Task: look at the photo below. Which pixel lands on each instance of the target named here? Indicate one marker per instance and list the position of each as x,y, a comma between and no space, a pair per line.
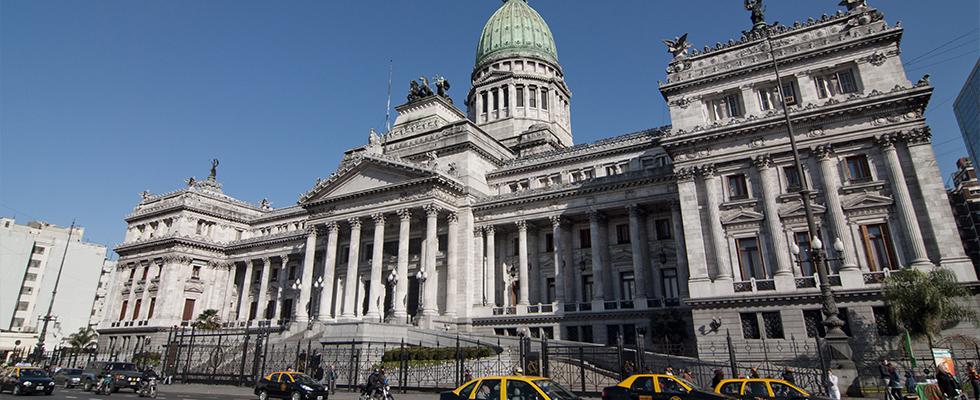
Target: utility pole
39,349
835,336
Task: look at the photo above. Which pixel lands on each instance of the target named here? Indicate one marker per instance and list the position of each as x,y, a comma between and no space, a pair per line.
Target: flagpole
388,105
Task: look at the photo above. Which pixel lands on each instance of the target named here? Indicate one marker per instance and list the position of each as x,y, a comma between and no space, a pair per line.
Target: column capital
332,226
489,230
762,162
708,171
887,141
635,210
917,136
267,261
284,258
557,221
431,210
379,218
404,214
355,222
596,216
823,152
521,225
452,218
478,231
686,174
311,230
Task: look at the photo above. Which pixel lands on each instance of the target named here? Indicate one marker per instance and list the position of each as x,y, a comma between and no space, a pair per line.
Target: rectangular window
663,228
803,242
544,99
516,246
737,187
29,277
122,310
292,272
549,242
792,178
627,286
442,242
878,247
17,323
671,287
34,264
773,322
146,271
506,92
483,96
769,98
132,274
725,107
835,83
586,288
38,250
612,334
153,305
884,323
533,101
136,309
622,234
750,258
274,275
22,305
550,282
750,326
858,169
496,99
572,332
587,334
814,322
27,290
196,272
188,309
584,238
520,96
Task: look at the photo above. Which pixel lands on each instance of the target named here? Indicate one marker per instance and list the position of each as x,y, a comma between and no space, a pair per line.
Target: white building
29,259
491,220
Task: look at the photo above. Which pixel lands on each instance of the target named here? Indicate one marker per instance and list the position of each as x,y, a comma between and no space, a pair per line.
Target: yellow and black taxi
762,388
290,385
658,387
26,380
514,387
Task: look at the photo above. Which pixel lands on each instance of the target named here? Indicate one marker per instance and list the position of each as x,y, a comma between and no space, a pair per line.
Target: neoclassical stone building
492,221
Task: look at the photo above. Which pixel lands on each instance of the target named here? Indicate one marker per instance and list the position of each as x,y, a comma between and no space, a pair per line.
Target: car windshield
304,379
121,367
554,390
33,373
71,371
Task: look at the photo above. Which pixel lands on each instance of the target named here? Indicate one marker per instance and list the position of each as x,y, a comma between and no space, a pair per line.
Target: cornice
601,184
169,241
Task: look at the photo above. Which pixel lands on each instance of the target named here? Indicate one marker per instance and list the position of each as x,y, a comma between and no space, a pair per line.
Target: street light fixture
421,276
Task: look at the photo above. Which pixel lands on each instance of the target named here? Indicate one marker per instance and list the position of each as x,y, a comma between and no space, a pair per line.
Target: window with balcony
725,107
858,169
878,247
738,188
622,234
835,83
750,258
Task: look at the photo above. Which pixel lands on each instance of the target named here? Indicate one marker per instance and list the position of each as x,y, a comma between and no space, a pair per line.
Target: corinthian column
283,274
598,263
638,246
558,250
712,186
377,255
903,200
429,306
774,226
350,283
689,237
304,307
401,288
329,266
262,307
522,275
452,267
243,304
835,212
491,279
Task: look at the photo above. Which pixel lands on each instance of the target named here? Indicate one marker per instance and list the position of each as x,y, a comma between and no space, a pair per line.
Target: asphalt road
192,392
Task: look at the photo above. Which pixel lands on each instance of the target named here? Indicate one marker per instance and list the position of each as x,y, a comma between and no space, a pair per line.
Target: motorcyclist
375,381
149,375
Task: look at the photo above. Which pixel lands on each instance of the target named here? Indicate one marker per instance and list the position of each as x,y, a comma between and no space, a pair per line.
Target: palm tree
925,303
208,320
84,339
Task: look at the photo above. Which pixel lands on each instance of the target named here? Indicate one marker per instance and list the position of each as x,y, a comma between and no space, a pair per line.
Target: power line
957,47
944,61
941,46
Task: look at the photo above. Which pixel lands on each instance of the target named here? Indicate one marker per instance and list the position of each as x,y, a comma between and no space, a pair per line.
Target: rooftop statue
758,13
418,91
678,47
854,4
214,169
442,88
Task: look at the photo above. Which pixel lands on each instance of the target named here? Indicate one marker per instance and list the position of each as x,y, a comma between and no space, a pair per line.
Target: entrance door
413,296
287,310
188,309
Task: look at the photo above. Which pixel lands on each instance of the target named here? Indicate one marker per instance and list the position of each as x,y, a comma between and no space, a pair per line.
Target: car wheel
296,396
16,390
263,395
48,392
87,387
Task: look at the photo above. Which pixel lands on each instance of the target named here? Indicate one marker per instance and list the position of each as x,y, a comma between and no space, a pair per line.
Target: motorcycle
148,388
381,393
105,385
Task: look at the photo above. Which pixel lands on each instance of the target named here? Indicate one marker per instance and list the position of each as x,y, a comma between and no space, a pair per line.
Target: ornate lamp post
421,276
393,285
296,286
315,300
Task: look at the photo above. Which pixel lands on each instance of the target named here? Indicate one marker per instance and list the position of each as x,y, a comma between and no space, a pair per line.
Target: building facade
492,221
29,260
967,111
964,197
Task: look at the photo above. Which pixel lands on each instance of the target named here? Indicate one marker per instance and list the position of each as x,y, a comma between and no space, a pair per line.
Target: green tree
82,340
208,320
925,303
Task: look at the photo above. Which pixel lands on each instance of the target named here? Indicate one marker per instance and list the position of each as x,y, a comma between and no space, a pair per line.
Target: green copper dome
516,30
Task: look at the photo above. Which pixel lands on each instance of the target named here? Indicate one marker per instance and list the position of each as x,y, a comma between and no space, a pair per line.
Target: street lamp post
835,336
420,276
393,288
315,300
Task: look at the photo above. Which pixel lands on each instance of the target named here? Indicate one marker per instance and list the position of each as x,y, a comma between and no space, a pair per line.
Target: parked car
124,375
658,387
513,387
68,377
290,385
755,388
26,380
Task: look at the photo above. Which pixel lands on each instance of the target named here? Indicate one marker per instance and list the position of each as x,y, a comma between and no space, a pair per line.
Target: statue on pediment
758,13
419,89
214,170
442,88
145,195
190,182
265,204
678,47
854,4
373,138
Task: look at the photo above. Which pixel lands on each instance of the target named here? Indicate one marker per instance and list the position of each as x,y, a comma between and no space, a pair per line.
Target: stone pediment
795,209
366,172
741,216
866,200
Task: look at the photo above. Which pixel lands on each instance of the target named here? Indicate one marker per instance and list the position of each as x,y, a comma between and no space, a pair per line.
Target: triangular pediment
742,216
365,173
795,208
867,200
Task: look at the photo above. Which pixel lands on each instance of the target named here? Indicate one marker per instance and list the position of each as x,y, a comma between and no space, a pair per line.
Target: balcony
878,277
755,285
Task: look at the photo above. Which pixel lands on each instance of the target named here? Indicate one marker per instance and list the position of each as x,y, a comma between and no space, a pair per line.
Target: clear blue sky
101,100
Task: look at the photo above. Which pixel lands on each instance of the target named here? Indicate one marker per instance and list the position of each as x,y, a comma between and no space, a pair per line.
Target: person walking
894,383
467,375
330,375
715,380
832,390
885,374
947,382
973,377
910,382
788,376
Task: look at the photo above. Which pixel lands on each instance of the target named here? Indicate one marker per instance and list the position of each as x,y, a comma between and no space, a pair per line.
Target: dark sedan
26,380
68,377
